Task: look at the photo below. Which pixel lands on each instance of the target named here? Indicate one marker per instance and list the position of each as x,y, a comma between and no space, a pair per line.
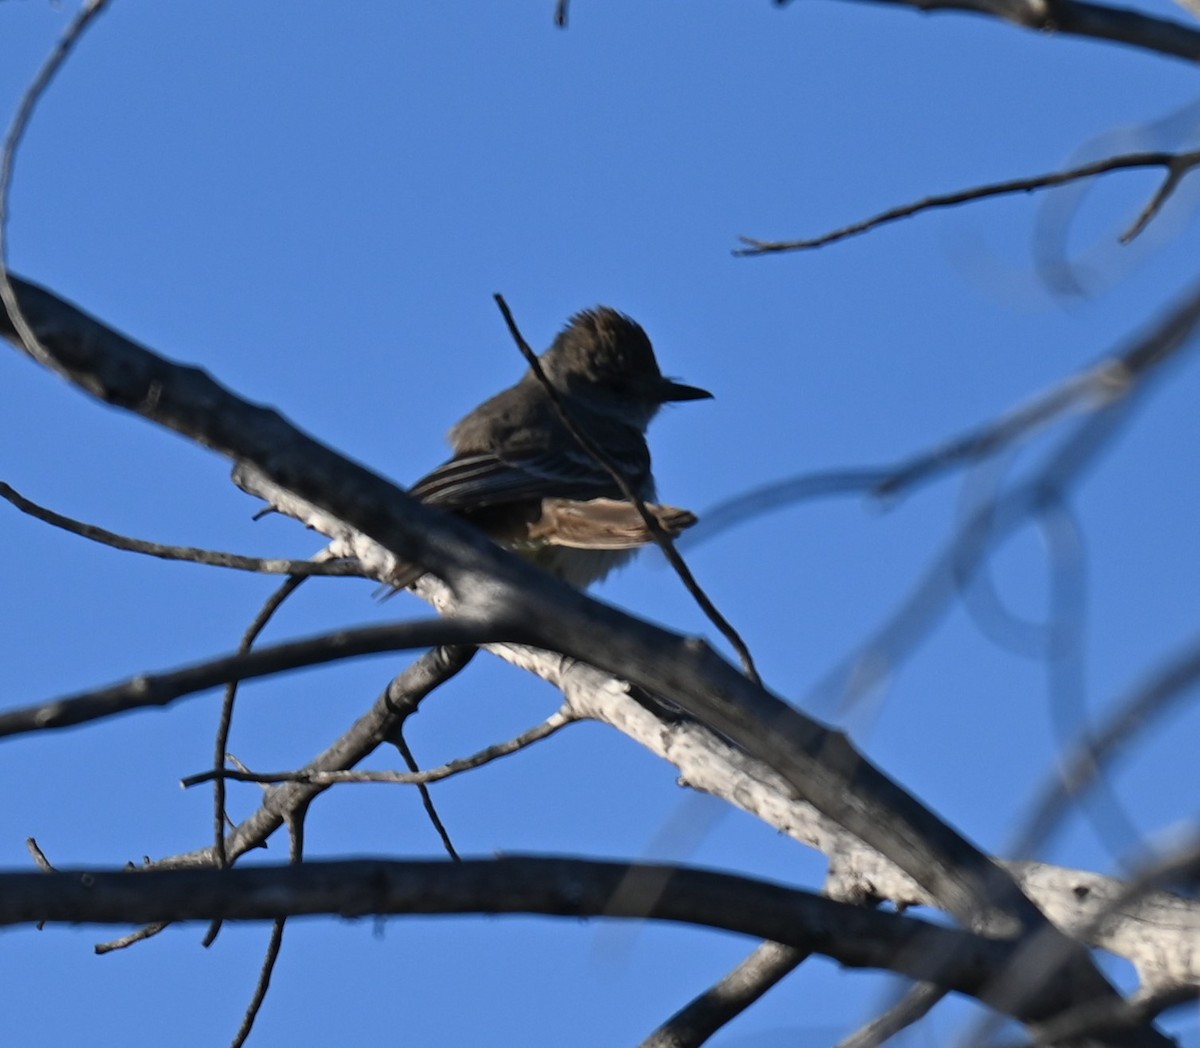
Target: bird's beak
678,391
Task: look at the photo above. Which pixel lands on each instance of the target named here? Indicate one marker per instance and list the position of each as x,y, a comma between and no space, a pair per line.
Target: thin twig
66,43
213,558
275,943
398,740
399,699
274,946
1176,165
1175,172
661,538
554,723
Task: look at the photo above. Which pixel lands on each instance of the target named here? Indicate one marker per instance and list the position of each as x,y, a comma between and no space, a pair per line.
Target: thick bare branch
1089,756
853,935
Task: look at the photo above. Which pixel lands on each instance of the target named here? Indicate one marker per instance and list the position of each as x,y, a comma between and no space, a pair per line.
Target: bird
521,475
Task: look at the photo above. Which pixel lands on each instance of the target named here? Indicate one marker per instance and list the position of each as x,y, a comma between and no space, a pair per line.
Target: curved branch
164,688
852,935
1175,164
355,504
554,723
1119,25
213,558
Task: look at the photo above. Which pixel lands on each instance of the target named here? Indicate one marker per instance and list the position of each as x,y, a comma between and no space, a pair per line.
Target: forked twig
552,724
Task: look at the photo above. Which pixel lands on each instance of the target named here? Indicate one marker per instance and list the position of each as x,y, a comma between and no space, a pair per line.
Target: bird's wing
479,479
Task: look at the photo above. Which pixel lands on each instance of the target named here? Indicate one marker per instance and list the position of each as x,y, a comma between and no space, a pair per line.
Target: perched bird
519,473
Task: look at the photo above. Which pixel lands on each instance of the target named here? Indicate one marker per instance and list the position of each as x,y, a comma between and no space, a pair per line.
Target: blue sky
315,203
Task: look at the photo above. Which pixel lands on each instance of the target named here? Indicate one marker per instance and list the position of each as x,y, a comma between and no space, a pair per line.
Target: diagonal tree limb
399,699
726,999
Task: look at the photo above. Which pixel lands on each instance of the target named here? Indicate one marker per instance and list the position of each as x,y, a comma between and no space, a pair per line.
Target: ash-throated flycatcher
520,475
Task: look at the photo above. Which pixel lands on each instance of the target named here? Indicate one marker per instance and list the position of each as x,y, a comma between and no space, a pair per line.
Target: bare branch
162,689
275,944
1109,1017
86,15
270,957
555,722
914,1005
853,935
397,739
1175,164
723,1002
214,558
281,804
1175,172
1160,935
141,935
1119,25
